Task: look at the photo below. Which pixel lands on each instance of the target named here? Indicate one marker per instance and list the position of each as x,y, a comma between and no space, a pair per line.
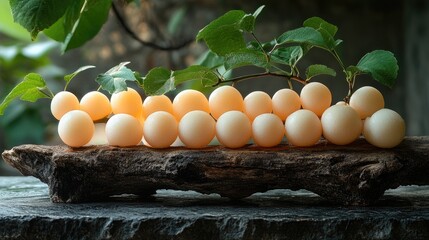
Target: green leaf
115,79
224,40
69,77
28,90
301,35
267,46
158,81
161,80
59,30
223,35
287,55
319,69
352,71
91,19
228,19
36,15
139,79
247,23
195,72
326,29
381,65
210,59
246,57
319,23
258,11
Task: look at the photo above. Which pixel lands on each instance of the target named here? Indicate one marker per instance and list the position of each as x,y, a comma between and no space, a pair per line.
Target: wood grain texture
356,174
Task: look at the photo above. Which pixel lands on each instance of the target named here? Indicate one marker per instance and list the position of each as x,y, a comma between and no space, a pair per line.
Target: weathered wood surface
357,174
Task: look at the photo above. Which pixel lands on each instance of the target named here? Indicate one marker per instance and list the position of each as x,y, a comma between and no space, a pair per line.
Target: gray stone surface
26,212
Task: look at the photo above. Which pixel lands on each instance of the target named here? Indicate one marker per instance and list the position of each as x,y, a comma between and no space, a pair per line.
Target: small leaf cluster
228,49
225,38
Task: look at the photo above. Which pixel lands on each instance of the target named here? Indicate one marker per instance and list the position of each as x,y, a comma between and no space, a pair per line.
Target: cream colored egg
96,104
128,102
124,130
366,101
303,128
197,129
99,136
76,128
285,102
384,129
341,124
157,103
268,130
233,129
62,103
189,100
257,103
316,97
160,129
224,99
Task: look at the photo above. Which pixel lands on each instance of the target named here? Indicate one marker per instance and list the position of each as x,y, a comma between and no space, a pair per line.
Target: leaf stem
135,36
351,83
337,57
50,94
259,42
257,75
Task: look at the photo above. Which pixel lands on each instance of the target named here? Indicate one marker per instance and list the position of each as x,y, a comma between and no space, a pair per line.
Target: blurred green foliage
23,122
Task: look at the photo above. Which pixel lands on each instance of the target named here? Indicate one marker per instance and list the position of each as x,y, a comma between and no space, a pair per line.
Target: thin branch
257,75
132,34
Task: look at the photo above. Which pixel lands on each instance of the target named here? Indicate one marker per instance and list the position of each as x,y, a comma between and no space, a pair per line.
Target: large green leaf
287,55
91,19
319,69
246,57
80,23
59,30
303,35
158,81
247,23
319,23
230,18
195,72
224,40
37,15
114,80
381,65
223,35
28,90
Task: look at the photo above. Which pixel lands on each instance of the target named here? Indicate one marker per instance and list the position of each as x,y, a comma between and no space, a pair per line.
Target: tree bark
356,174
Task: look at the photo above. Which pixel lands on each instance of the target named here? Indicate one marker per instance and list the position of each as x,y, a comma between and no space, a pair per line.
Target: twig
128,30
241,78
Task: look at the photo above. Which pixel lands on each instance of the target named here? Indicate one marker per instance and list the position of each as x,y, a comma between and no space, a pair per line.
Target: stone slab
26,212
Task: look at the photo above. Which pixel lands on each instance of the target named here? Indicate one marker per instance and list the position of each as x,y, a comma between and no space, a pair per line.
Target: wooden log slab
356,174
